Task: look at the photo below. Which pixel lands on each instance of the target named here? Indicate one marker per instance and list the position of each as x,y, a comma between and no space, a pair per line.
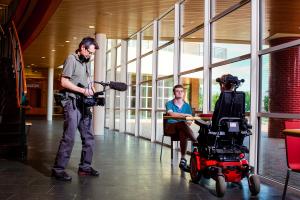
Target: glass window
272,153
166,28
108,75
108,60
107,118
146,68
231,35
119,56
117,99
107,96
164,92
219,6
118,74
192,14
131,51
145,124
131,73
108,44
280,81
147,40
117,119
191,55
193,84
165,61
131,95
130,121
146,95
241,70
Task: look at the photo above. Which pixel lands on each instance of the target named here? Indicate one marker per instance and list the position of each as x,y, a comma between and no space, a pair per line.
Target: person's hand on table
189,123
186,115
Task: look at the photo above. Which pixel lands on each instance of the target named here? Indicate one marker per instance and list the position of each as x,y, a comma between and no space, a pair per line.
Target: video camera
98,99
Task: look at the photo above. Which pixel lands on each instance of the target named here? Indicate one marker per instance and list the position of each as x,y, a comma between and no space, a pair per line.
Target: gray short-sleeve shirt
76,71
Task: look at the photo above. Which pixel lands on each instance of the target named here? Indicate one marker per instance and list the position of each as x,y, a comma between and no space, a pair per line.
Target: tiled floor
130,169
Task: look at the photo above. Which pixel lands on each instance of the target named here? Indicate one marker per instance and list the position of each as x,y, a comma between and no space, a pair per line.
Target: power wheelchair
220,153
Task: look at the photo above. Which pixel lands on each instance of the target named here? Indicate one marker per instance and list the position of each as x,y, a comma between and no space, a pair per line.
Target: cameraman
77,72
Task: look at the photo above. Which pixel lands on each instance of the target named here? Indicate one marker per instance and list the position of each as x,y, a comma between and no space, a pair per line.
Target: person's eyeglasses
91,53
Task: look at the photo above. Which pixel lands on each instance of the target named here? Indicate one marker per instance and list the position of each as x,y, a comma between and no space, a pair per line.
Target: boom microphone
119,86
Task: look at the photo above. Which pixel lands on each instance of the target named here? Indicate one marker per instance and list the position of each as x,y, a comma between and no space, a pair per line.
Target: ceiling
71,21
122,18
5,2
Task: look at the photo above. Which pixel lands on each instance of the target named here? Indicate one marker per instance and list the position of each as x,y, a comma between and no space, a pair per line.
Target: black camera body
96,100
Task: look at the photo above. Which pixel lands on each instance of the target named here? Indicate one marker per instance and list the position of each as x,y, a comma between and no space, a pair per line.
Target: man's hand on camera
88,92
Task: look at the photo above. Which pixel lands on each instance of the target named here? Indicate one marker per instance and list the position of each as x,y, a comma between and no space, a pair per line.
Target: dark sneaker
88,172
244,149
61,176
183,165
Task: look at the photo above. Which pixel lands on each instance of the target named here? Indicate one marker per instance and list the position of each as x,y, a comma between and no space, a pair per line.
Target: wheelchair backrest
231,105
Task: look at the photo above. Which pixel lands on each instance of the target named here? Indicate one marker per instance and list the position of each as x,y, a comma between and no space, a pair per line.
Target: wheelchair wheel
195,174
254,184
220,186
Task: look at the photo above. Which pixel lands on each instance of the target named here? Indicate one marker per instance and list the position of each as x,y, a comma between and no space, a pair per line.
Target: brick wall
284,87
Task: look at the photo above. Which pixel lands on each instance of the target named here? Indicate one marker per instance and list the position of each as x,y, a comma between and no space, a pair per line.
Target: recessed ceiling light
32,64
91,26
43,57
53,50
74,38
108,13
67,41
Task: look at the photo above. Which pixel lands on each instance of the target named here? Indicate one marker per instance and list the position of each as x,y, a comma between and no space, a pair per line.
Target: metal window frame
228,10
138,75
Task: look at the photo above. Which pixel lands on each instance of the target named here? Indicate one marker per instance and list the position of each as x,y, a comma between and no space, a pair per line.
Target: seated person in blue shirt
177,107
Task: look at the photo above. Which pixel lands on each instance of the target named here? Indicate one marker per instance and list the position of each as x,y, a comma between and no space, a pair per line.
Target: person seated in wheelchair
228,116
177,107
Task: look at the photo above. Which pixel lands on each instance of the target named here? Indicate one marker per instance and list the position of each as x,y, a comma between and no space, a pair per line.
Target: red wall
284,85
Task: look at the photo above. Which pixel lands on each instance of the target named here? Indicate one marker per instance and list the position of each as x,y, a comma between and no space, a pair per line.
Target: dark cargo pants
75,117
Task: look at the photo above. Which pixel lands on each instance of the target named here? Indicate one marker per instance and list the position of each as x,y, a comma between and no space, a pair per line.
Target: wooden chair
292,142
173,137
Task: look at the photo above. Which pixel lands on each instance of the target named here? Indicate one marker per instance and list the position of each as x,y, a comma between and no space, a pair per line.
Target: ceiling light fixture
91,26
60,67
43,57
67,41
53,50
74,38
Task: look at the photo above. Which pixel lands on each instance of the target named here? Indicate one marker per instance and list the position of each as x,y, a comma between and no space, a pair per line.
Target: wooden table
295,132
182,118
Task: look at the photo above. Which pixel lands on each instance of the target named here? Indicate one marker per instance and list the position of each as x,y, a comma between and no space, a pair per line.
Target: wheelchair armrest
202,123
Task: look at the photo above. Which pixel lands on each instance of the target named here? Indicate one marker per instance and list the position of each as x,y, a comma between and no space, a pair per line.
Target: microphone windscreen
118,86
